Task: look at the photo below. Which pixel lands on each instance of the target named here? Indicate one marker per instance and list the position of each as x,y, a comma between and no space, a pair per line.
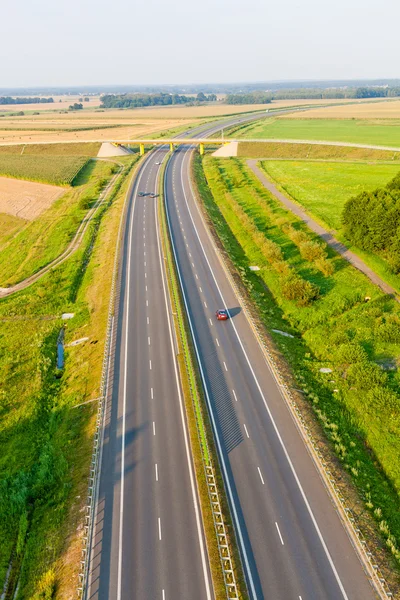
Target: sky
94,42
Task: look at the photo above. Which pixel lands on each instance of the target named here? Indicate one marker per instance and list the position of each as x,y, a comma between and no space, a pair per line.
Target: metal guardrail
219,525
102,402
347,515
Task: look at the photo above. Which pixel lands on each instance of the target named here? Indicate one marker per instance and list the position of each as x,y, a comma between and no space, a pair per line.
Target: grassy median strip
201,437
341,348
46,442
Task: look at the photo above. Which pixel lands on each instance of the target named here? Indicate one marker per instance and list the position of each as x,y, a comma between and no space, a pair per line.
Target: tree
75,106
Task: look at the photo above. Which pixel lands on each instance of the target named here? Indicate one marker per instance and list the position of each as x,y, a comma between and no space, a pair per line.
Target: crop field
304,288
59,170
45,438
105,124
323,187
44,238
361,131
388,109
60,103
87,149
26,199
304,151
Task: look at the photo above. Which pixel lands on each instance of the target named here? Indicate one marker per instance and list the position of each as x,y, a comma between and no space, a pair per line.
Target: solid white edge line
210,408
193,482
309,509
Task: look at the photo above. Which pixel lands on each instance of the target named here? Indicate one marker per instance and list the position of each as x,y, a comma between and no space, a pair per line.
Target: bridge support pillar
141,149
171,147
201,149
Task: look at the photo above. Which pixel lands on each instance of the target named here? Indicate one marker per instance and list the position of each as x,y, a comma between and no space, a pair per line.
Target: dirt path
352,258
73,246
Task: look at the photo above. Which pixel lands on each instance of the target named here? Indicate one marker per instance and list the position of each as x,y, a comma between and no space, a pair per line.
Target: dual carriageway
148,540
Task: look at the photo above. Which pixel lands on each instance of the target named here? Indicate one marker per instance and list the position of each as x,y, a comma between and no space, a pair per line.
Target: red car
222,314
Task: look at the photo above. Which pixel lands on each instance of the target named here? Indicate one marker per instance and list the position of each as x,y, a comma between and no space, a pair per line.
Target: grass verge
46,441
202,443
345,410
323,188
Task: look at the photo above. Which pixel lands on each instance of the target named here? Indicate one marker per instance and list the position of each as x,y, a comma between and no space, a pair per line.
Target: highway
148,539
292,540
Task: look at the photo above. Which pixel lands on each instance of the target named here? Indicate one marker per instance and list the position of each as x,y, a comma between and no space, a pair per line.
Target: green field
88,149
58,170
42,240
358,340
323,187
360,131
46,442
307,151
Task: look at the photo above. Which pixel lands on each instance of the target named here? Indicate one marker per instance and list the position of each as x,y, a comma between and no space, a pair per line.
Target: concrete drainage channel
218,519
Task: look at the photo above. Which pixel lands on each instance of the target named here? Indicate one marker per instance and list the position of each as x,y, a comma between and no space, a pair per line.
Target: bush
325,266
347,354
366,375
312,251
387,328
294,287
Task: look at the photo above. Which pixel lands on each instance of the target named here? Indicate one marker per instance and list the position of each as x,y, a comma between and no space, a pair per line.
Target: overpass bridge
172,142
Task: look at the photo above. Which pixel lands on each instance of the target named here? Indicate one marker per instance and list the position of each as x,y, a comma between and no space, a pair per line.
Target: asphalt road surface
148,541
292,540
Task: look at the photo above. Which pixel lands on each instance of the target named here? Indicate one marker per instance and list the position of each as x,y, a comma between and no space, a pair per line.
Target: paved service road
293,543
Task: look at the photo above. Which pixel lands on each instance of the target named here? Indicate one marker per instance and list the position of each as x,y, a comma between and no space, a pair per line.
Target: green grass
323,188
361,131
58,170
340,331
304,151
9,226
45,442
43,239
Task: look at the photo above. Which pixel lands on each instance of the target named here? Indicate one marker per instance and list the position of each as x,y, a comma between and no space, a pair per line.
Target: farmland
26,199
323,188
360,131
306,289
59,170
305,151
104,124
44,238
46,442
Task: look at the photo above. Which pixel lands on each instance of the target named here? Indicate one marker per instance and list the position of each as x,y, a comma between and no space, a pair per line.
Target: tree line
9,100
313,94
371,221
141,100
